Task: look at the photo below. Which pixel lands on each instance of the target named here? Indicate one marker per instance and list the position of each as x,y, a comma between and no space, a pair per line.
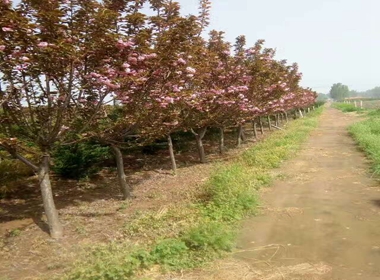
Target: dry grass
239,269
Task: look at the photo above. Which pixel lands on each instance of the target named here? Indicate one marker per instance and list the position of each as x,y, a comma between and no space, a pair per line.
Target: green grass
347,107
367,135
194,234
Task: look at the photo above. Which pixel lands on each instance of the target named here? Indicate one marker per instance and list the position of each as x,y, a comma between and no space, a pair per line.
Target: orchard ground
318,221
93,212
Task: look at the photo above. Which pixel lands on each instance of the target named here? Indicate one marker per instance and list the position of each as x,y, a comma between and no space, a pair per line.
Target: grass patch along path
347,107
205,229
367,134
320,221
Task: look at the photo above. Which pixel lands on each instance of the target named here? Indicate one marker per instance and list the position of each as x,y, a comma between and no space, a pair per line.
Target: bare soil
93,213
322,221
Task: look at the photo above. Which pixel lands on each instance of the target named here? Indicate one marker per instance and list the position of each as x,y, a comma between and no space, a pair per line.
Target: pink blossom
251,51
132,60
42,44
181,61
169,100
190,70
6,2
7,29
95,75
110,85
24,58
124,44
2,47
152,55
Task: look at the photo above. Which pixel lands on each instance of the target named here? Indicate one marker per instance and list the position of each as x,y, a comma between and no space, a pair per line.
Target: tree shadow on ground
376,202
26,201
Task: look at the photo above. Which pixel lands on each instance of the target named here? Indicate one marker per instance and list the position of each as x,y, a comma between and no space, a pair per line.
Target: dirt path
322,221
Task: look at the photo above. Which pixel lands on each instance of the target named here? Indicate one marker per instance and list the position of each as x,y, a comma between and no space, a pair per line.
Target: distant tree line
371,93
339,91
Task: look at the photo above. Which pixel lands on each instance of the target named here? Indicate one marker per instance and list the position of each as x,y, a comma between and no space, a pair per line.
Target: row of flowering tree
64,63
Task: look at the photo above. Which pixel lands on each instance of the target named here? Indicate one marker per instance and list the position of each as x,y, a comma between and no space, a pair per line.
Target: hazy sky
331,40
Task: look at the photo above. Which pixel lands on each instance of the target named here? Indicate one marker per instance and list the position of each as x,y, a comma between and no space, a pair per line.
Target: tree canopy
339,91
63,62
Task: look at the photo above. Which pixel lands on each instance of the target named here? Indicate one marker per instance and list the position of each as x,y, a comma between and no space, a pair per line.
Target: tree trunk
286,117
254,128
276,120
55,227
241,136
172,157
221,140
198,138
269,123
124,187
300,112
261,126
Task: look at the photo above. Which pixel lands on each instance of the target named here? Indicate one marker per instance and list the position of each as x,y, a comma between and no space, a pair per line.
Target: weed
367,135
166,223
79,160
155,195
214,236
12,170
81,229
347,107
374,113
124,205
14,233
193,234
170,253
54,266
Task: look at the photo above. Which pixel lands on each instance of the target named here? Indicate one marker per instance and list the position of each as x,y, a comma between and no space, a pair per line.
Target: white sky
331,40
